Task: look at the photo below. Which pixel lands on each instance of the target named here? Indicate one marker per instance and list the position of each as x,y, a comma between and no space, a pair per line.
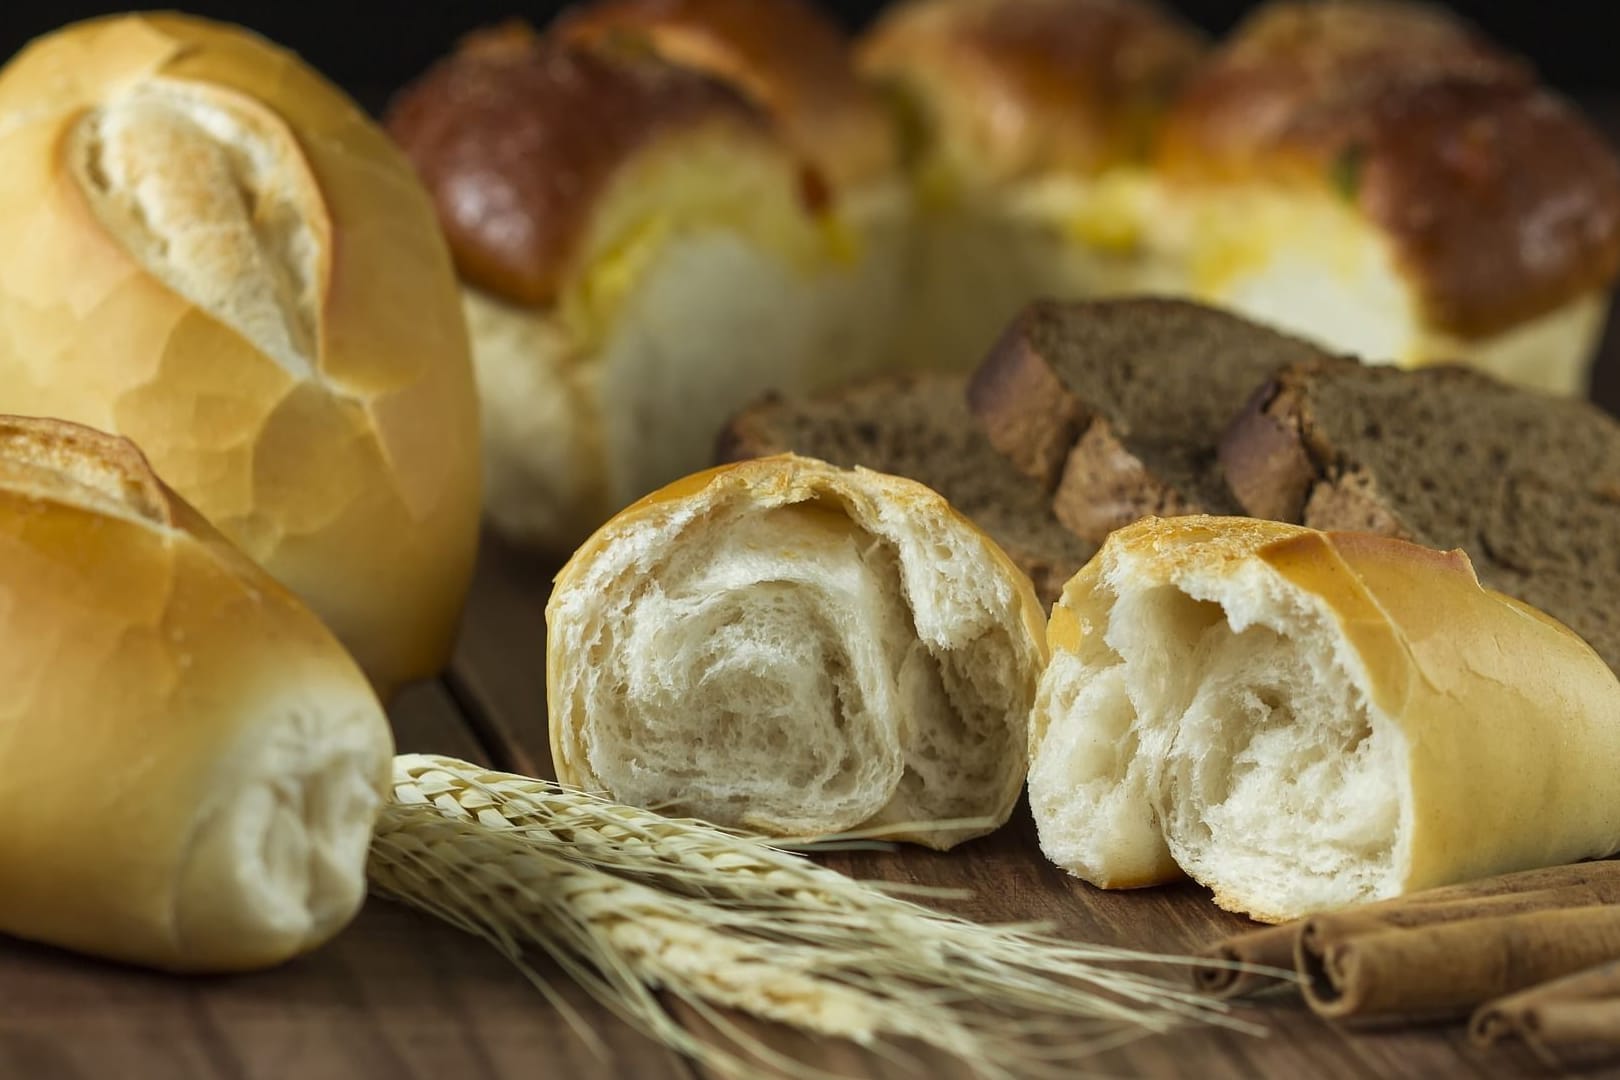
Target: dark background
373,48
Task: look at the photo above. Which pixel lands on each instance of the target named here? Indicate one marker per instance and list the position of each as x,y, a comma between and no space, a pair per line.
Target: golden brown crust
342,480
56,460
516,137
786,56
1008,88
1500,202
187,691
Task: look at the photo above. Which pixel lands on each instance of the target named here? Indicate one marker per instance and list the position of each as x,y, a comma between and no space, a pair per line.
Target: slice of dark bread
1117,406
918,426
1527,485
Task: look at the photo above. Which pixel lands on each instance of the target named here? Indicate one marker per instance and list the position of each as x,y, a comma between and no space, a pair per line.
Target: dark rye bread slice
1527,485
918,426
1117,406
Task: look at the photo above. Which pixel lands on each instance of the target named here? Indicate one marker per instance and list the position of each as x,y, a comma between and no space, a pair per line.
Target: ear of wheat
630,903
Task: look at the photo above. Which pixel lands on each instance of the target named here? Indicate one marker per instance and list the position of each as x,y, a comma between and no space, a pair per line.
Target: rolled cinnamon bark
1269,947
1579,1008
1576,885
1355,966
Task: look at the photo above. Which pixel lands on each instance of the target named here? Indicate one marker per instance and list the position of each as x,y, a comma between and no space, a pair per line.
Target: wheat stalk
630,903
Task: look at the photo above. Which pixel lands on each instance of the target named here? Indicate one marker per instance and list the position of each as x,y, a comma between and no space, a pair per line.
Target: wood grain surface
398,996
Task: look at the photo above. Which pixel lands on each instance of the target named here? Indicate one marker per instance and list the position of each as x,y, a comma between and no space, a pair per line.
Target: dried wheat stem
630,902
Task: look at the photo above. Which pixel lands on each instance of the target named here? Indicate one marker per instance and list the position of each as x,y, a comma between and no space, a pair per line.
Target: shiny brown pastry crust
1011,88
1501,202
516,137
783,55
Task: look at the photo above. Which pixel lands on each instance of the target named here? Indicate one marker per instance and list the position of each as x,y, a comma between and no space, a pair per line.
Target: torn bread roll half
190,762
1027,128
796,648
659,213
1379,178
1303,720
211,251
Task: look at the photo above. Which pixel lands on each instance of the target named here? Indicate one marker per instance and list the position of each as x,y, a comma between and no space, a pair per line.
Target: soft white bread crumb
210,190
795,648
277,852
1303,721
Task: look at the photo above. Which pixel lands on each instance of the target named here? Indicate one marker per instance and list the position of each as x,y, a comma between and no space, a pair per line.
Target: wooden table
399,996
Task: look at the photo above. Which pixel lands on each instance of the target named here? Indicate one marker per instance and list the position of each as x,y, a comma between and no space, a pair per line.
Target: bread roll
647,248
784,56
795,648
211,251
1028,126
190,763
1303,720
1379,178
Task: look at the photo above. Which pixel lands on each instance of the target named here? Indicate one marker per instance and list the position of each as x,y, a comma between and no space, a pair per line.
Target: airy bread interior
277,853
1218,723
786,667
210,191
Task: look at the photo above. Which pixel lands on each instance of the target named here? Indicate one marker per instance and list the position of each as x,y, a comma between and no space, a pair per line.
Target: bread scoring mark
82,467
210,191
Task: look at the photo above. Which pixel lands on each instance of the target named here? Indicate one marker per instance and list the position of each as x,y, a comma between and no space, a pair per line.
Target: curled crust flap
1004,89
1500,202
517,138
784,55
67,463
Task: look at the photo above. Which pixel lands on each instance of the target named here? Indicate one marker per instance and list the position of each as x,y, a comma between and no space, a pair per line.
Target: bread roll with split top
212,251
659,212
1380,178
191,764
795,648
1303,720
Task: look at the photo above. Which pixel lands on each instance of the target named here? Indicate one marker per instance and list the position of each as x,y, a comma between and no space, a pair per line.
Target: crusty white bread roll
660,213
1027,127
212,251
1303,720
1378,177
795,648
189,761
784,56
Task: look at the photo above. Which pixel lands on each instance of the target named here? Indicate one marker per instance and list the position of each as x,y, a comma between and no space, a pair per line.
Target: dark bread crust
1117,407
1020,87
1500,201
516,137
918,426
786,56
1527,485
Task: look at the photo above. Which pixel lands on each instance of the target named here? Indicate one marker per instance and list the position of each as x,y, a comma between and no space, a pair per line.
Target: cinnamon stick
1579,1008
1576,885
1269,947
1357,966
